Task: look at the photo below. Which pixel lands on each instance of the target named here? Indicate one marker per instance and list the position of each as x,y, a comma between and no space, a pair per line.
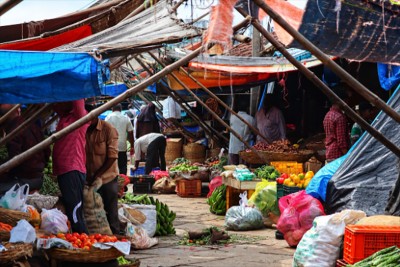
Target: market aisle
254,248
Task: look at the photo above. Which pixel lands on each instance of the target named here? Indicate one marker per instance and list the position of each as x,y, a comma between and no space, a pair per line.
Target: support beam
327,91
215,116
8,114
347,78
96,112
7,5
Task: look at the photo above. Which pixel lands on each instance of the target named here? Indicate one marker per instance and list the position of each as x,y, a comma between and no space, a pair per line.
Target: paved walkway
193,214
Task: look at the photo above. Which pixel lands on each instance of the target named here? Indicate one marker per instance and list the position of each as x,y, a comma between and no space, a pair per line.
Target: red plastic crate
188,188
361,241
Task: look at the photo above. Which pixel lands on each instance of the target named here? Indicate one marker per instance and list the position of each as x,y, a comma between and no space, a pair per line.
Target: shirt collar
99,125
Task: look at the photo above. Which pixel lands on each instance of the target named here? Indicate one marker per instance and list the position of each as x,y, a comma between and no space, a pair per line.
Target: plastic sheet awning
40,77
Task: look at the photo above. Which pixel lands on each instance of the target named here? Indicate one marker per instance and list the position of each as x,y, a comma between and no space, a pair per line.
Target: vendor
29,171
153,145
270,121
147,121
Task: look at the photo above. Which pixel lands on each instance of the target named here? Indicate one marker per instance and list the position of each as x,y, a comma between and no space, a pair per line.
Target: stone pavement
193,214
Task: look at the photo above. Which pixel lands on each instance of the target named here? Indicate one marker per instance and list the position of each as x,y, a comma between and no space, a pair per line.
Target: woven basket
4,235
13,216
194,152
15,251
173,150
267,156
94,255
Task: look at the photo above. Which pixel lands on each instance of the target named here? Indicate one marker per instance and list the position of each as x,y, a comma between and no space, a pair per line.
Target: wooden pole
8,114
347,78
327,91
96,112
199,18
24,125
222,103
7,5
215,116
174,8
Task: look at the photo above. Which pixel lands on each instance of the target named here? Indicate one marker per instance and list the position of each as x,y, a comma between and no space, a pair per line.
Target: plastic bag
15,198
151,217
139,237
215,182
242,217
54,221
23,232
159,174
320,246
319,183
265,199
298,211
165,185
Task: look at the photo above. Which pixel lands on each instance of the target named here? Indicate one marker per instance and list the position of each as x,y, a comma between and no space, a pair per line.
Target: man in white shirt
153,145
125,131
235,145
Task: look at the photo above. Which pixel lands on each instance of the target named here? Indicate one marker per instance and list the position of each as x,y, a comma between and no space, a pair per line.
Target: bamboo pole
174,8
215,116
24,125
96,112
347,78
7,5
222,103
8,114
185,132
199,18
327,91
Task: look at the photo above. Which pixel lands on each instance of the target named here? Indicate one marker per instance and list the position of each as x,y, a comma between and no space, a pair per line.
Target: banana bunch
165,217
217,200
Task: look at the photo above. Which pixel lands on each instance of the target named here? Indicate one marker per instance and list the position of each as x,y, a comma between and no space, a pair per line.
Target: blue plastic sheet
39,77
319,183
389,75
114,89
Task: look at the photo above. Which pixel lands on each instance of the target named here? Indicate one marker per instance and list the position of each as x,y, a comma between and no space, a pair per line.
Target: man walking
101,163
125,131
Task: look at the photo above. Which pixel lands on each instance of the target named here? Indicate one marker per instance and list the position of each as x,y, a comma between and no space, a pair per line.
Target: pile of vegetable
49,187
276,146
184,167
388,257
165,216
217,200
220,165
209,236
212,161
178,161
123,261
267,172
85,241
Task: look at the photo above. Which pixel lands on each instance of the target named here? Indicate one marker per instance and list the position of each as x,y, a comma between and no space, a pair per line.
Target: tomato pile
85,241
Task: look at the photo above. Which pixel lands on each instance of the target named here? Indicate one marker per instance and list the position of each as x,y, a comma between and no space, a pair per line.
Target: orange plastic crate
361,241
188,188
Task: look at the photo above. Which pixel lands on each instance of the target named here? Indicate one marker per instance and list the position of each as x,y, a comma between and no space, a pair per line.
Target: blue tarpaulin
114,89
40,77
389,76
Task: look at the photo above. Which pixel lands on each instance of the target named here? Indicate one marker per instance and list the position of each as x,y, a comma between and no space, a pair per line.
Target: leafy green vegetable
267,172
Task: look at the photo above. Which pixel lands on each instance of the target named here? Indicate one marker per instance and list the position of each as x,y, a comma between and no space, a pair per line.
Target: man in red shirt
336,129
69,162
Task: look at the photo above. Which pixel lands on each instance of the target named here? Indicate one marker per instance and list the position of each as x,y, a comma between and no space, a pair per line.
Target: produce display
165,216
276,146
217,200
49,187
212,161
178,161
184,167
84,241
300,180
267,172
388,257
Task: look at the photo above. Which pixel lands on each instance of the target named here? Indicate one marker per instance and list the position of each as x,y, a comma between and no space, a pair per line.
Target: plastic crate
188,188
288,166
279,190
142,183
138,171
287,190
361,241
341,263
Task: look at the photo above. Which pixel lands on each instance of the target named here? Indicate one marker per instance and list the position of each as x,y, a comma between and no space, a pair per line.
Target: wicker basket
15,251
94,255
4,235
268,156
173,149
13,216
194,152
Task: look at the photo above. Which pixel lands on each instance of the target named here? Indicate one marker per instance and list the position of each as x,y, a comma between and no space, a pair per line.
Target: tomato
97,236
284,175
113,238
101,240
124,239
68,236
76,235
86,248
83,236
280,180
107,239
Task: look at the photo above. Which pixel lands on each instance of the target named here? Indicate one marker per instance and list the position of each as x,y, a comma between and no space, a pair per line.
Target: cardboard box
313,165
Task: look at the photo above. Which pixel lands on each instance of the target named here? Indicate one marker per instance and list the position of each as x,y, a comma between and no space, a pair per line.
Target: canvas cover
366,179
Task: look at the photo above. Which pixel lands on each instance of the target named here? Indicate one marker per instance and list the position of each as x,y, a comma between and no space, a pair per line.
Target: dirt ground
253,249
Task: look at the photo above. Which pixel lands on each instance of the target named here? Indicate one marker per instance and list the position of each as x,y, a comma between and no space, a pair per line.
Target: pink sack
215,182
298,211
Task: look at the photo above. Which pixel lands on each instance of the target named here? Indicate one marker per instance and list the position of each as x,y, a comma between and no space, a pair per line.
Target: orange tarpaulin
292,14
47,43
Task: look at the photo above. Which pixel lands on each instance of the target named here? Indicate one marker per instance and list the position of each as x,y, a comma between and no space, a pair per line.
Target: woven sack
93,210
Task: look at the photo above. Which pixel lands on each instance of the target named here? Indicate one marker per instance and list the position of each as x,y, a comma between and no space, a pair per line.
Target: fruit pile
300,180
184,167
85,241
212,161
276,146
165,216
267,172
217,200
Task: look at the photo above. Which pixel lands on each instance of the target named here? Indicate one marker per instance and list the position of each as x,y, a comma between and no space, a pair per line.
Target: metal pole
213,113
347,78
96,112
327,91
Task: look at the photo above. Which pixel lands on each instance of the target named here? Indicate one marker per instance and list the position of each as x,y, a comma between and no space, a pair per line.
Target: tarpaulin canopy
40,77
365,179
